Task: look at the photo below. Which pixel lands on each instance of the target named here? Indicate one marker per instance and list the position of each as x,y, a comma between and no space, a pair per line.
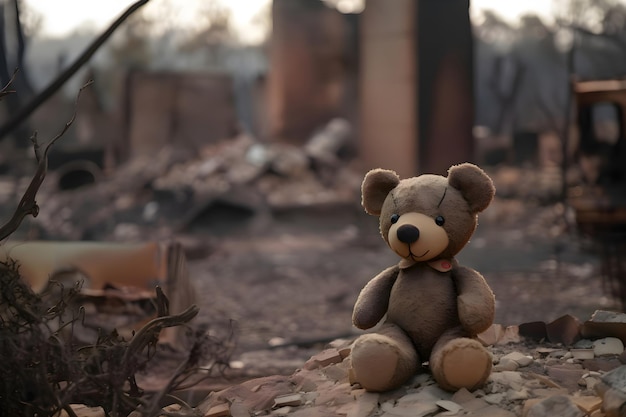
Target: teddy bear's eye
439,220
394,218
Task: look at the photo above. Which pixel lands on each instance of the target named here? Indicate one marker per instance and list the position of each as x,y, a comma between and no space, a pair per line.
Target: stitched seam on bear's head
395,204
443,196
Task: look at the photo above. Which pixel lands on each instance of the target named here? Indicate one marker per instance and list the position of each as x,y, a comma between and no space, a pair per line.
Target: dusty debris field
278,256
291,288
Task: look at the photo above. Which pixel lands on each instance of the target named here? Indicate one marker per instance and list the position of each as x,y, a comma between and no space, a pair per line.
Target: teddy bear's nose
408,233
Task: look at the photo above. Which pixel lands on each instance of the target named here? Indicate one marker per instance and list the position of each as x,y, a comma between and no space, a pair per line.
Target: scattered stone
544,351
324,358
495,398
608,346
511,335
605,323
283,411
589,382
526,381
612,390
366,402
239,409
449,406
475,405
257,394
566,375
519,358
601,364
582,354
289,399
535,330
495,411
613,403
429,393
583,344
82,410
587,403
344,352
497,334
565,330
558,405
462,396
492,335
336,394
616,378
558,353
506,365
603,316
515,395
507,379
220,410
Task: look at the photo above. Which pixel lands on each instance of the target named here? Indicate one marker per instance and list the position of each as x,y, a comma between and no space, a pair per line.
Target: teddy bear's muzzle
417,237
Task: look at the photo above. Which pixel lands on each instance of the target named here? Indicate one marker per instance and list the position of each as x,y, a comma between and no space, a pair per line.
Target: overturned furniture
117,281
599,198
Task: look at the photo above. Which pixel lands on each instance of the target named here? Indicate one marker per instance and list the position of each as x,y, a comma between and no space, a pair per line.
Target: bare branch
150,332
5,90
69,72
28,204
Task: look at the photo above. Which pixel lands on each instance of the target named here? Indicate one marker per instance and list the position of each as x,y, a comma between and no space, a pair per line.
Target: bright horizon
61,17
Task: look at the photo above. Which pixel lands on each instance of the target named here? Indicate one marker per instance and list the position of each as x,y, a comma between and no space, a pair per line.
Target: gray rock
558,405
608,346
616,378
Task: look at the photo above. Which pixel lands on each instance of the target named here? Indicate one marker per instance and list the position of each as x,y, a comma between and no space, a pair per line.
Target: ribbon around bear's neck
441,265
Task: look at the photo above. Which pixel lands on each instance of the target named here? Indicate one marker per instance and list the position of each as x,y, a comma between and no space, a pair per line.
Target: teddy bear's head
427,217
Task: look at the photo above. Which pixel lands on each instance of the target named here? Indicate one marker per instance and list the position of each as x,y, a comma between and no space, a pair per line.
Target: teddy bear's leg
384,360
459,362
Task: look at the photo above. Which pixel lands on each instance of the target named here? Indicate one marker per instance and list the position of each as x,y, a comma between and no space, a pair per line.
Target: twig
150,331
28,204
69,410
5,91
29,108
156,401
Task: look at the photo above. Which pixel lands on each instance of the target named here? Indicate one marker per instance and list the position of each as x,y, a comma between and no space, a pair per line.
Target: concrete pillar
306,75
416,85
446,84
388,131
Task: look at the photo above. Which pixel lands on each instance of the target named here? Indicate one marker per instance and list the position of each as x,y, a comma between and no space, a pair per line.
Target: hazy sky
62,16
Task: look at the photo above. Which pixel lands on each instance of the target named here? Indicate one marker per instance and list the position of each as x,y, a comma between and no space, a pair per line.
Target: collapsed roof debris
117,280
155,196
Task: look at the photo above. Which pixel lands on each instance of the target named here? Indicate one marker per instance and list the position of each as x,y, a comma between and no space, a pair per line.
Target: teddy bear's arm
475,300
373,300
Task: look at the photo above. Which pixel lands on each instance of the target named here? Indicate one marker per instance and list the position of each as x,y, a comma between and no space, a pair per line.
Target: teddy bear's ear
475,186
375,188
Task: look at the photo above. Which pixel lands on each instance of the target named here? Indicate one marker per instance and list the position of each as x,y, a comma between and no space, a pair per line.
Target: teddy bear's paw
374,362
462,363
384,360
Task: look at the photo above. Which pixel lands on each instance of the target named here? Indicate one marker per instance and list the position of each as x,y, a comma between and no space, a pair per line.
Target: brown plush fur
432,314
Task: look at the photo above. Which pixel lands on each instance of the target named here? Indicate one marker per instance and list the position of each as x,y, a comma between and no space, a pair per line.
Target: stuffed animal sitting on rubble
434,307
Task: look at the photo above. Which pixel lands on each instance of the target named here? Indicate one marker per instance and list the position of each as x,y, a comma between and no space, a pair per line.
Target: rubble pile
530,378
300,282
172,191
585,377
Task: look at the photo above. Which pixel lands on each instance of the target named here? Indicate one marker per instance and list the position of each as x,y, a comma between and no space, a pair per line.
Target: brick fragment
220,410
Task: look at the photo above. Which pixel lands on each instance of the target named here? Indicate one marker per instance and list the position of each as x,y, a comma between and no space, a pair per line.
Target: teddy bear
433,307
